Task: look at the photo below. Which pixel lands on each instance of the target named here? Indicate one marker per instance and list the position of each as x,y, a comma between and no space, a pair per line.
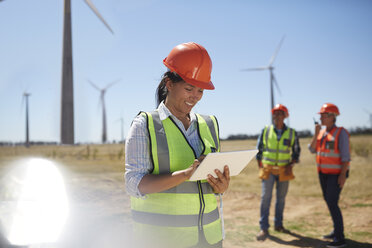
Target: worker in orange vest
332,149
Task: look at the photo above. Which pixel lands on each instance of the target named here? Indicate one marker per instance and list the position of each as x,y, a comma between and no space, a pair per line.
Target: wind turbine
102,97
25,99
122,128
67,95
270,67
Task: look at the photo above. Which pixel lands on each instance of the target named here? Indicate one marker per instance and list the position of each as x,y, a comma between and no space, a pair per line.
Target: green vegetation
361,205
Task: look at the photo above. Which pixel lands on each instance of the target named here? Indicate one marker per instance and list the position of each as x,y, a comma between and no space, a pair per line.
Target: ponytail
162,91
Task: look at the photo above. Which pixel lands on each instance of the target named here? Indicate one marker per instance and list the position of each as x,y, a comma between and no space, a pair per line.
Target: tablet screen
236,160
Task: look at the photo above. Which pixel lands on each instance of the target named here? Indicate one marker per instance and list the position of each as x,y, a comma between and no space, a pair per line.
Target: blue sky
325,57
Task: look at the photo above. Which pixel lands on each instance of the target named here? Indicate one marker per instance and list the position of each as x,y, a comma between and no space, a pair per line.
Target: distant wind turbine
67,95
102,97
270,67
25,99
121,128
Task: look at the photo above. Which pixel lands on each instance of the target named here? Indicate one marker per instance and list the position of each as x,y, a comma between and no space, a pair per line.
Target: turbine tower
102,97
25,98
121,128
67,95
270,67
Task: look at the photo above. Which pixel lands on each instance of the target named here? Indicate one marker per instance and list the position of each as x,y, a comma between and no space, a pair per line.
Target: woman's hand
189,171
221,183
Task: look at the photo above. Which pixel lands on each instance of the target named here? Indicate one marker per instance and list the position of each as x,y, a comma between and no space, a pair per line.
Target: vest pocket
330,145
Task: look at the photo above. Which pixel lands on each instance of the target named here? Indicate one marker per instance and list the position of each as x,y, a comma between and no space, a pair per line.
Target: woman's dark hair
161,91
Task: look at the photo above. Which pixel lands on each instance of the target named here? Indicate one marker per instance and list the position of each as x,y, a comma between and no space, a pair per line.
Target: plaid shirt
137,148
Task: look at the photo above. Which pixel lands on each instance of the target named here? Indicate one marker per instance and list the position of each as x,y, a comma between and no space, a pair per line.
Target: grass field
100,206
306,214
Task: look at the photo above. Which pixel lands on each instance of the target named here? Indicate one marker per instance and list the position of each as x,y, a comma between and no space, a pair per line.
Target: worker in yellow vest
332,149
162,151
278,151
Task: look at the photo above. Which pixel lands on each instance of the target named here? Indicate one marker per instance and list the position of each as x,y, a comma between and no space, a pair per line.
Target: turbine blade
94,9
95,86
256,69
112,83
276,85
276,51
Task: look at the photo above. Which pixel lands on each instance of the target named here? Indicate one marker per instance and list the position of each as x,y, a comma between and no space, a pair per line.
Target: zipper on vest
202,206
277,151
202,238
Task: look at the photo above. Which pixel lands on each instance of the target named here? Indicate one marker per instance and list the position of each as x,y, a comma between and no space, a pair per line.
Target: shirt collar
164,113
333,127
282,130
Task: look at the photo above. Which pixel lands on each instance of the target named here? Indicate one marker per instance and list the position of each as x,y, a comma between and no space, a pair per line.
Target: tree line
301,134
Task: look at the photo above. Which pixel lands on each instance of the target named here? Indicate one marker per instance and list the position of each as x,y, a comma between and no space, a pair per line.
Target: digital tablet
236,161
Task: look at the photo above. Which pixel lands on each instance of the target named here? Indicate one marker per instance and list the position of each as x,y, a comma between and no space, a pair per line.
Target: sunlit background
324,57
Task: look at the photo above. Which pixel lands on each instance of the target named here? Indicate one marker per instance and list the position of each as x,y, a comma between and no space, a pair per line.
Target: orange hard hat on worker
329,108
192,63
280,107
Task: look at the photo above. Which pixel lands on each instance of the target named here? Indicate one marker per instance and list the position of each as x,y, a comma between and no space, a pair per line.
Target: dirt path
306,217
100,214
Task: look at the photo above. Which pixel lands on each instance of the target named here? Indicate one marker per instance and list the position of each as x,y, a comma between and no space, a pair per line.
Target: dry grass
306,213
96,177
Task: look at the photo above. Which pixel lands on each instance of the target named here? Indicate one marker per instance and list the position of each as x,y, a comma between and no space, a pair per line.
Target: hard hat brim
328,113
204,85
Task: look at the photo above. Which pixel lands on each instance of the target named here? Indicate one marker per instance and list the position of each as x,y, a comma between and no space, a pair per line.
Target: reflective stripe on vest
171,221
328,156
276,152
190,204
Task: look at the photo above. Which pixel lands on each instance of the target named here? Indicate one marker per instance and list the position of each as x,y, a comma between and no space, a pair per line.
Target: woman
163,149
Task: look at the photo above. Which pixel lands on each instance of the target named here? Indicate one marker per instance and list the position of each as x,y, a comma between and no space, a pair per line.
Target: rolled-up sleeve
343,146
137,156
296,149
260,146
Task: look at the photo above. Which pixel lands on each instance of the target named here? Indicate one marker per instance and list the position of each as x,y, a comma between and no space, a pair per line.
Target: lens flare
39,205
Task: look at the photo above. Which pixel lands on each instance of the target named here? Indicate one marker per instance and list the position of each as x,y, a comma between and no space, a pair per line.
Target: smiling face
182,97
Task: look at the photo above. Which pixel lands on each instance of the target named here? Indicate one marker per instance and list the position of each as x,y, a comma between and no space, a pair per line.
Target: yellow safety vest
277,152
185,215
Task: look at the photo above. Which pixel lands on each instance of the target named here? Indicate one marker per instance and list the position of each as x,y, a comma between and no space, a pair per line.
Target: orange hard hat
282,108
329,108
192,63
